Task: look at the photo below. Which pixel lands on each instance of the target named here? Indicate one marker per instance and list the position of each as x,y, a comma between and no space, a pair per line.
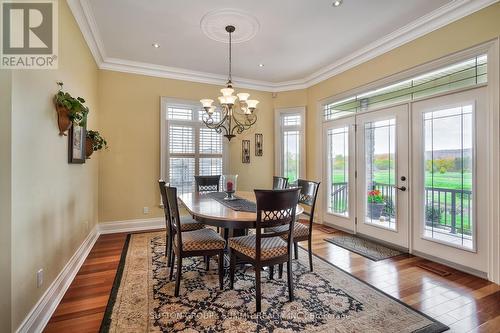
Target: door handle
402,188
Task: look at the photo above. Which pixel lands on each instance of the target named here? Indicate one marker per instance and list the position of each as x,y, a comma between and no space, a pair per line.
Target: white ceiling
297,40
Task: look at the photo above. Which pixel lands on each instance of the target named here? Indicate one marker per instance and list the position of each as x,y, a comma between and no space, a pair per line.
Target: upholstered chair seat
300,231
270,247
200,240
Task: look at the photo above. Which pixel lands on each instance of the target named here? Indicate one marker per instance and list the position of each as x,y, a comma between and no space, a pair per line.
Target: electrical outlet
39,278
145,210
86,225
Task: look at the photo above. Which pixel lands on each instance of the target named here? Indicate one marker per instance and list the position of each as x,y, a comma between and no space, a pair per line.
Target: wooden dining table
206,209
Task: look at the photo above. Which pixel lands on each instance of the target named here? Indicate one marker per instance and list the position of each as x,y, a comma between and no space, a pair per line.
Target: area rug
364,247
328,300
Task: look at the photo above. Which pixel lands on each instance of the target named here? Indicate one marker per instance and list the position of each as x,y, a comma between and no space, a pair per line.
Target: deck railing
447,209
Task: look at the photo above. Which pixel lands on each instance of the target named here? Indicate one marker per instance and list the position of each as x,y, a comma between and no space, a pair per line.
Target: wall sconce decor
245,151
259,142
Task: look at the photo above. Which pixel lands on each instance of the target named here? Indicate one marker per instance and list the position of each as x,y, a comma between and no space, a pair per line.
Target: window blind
463,74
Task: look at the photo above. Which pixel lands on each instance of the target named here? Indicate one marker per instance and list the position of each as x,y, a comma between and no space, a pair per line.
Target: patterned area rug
328,300
364,247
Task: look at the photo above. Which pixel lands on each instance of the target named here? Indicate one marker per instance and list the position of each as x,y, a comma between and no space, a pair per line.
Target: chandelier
235,116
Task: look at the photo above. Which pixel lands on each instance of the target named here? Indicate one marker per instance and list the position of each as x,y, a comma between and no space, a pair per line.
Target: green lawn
448,180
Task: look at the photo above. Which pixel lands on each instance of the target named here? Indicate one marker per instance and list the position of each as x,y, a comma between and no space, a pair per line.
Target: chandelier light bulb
222,100
252,103
207,103
243,96
226,92
230,99
211,110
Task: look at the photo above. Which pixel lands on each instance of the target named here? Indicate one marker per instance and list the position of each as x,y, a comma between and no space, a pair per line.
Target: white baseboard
131,225
39,316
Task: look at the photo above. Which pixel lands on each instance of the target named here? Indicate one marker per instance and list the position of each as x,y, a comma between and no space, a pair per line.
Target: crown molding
440,17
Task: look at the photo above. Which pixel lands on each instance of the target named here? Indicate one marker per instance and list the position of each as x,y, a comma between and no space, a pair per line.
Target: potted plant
376,204
94,142
69,110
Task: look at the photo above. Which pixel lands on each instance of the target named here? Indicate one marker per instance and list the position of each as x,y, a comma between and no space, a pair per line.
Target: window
290,134
448,170
188,147
338,170
463,74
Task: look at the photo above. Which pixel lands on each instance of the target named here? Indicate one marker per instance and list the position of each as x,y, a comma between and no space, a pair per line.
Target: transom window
468,73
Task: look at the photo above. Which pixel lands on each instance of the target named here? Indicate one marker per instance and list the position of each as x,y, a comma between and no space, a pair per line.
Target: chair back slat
166,210
308,195
175,221
279,183
275,208
207,183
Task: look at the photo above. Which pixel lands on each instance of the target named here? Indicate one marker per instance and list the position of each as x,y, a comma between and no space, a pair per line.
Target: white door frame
399,236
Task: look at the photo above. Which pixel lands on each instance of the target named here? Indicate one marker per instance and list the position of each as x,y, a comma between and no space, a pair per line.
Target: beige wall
54,204
5,199
129,118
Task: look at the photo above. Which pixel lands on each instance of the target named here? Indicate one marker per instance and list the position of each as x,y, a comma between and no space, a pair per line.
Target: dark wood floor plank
464,302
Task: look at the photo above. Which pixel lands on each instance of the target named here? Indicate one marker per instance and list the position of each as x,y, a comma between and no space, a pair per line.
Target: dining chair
274,208
279,183
187,223
303,229
197,243
207,183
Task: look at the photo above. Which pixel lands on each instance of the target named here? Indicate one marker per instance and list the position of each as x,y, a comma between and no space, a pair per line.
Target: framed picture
245,151
259,142
76,144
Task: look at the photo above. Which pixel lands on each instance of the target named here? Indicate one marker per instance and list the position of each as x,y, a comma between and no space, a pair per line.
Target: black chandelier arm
248,122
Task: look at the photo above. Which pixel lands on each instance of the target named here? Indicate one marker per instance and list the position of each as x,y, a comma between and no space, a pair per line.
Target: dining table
204,208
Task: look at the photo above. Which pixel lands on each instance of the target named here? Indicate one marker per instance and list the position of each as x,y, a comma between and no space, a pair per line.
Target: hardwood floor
464,302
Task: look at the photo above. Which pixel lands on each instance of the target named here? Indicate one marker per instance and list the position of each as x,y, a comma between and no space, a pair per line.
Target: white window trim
278,139
165,103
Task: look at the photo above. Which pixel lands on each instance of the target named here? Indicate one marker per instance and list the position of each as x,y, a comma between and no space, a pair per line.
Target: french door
450,185
382,175
366,174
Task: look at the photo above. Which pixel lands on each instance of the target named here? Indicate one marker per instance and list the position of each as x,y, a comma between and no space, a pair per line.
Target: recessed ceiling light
156,45
261,65
337,3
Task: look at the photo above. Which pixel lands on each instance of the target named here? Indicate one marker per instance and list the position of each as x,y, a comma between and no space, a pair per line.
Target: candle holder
229,186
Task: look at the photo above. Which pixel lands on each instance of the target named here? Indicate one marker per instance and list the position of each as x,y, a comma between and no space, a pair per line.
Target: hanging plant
69,110
94,142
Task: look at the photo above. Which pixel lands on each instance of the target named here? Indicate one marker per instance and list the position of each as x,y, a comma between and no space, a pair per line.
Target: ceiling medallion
230,119
213,24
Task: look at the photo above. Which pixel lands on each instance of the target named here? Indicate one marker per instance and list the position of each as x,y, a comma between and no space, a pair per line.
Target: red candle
229,186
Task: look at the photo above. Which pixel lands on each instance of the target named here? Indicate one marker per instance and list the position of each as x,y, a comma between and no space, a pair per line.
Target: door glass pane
380,155
448,167
338,170
291,155
182,174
